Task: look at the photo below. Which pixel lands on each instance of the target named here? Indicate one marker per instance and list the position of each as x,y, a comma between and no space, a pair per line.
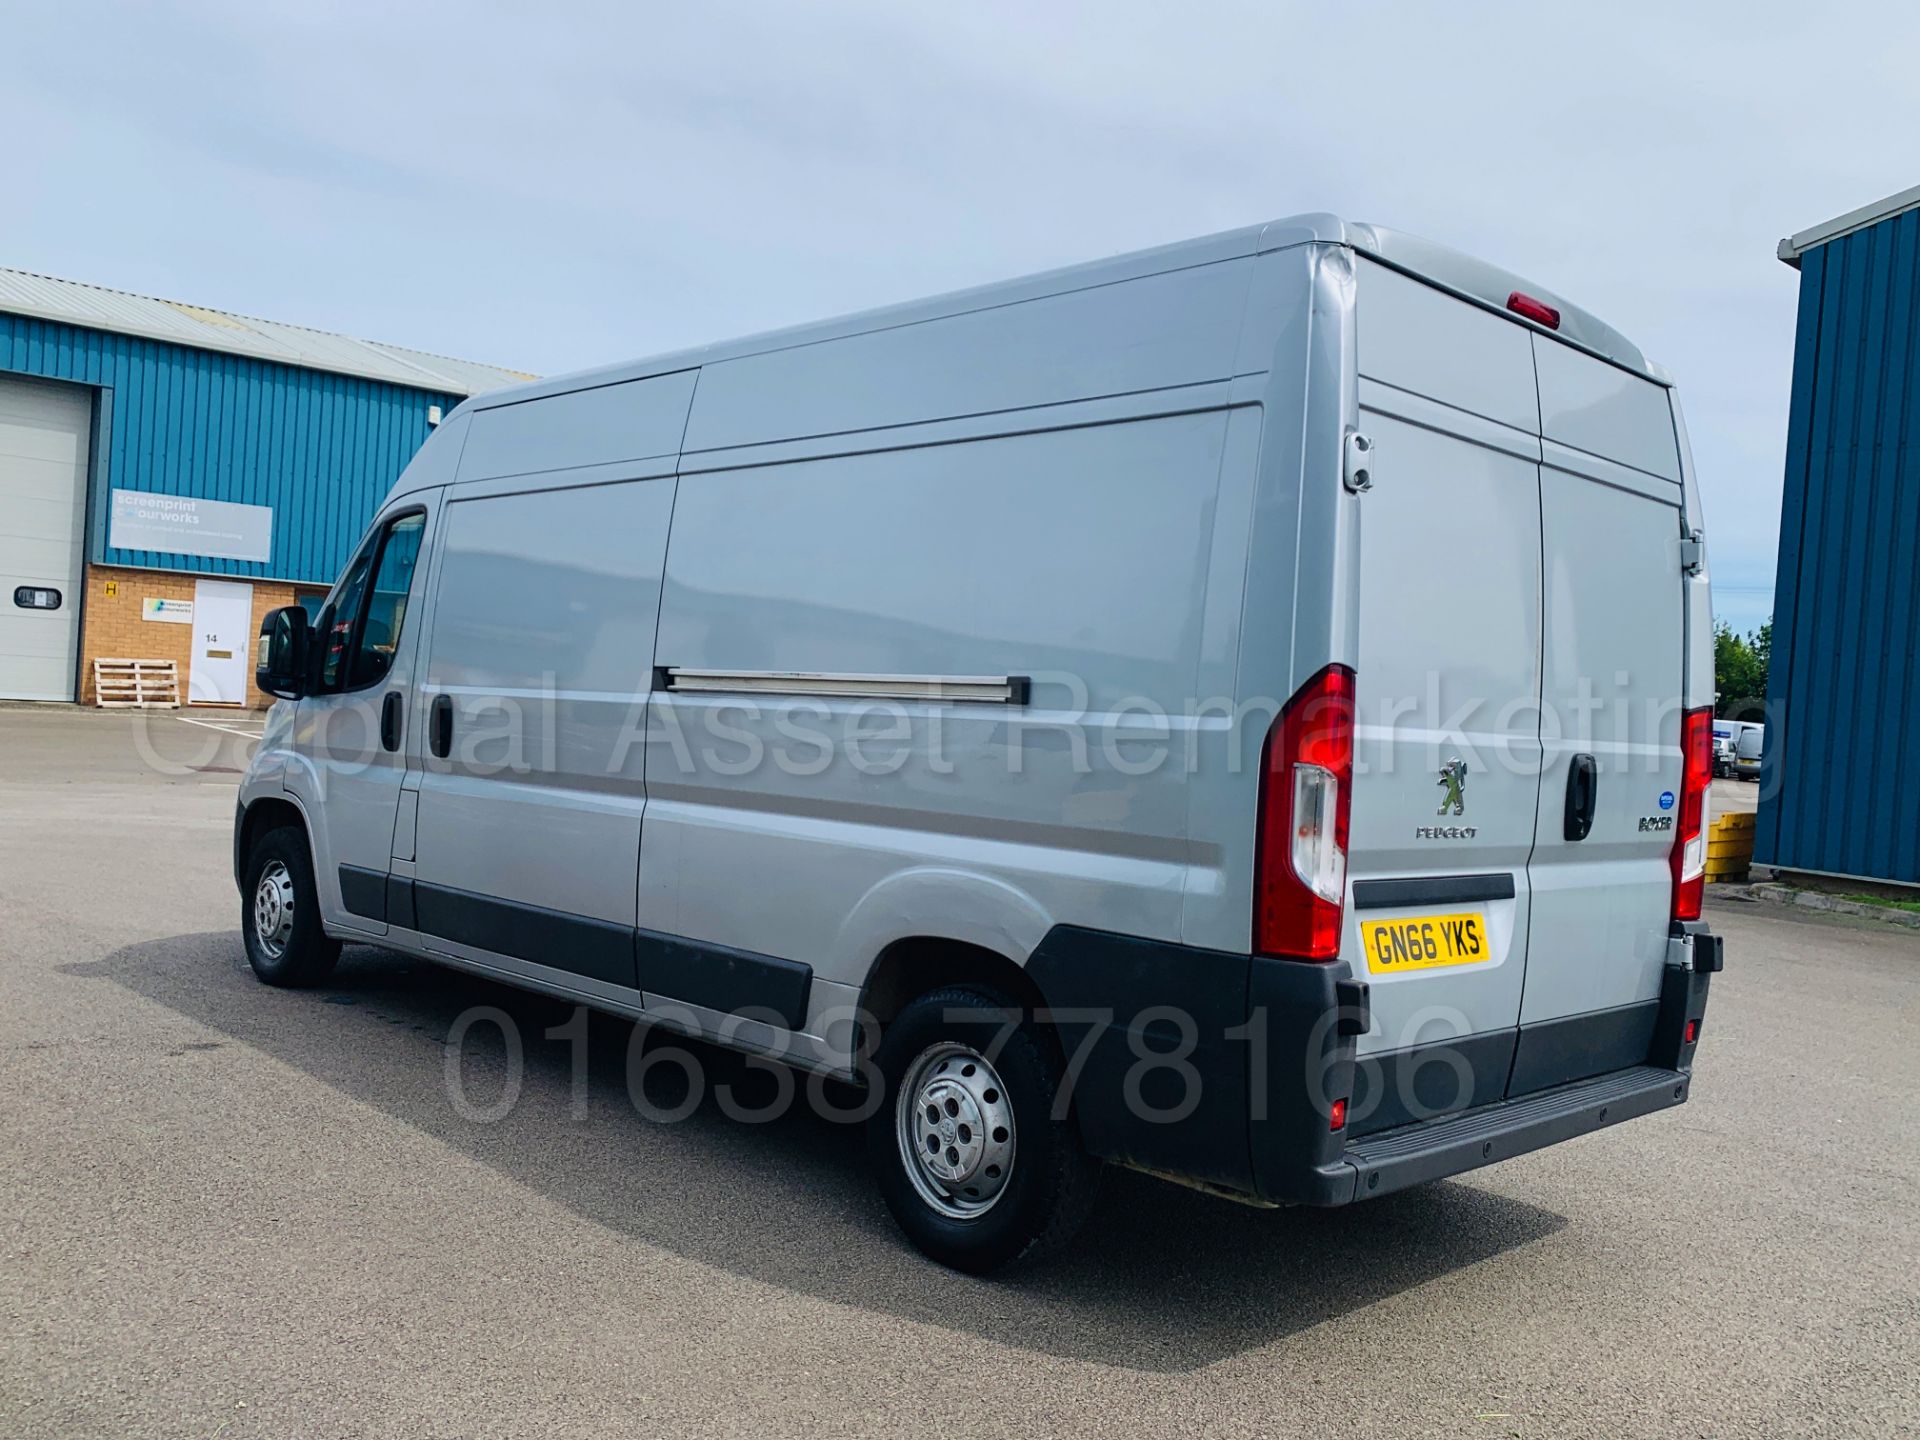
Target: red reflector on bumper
1693,1031
1337,1115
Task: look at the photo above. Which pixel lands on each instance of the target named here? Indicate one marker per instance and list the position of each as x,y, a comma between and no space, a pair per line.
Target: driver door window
370,605
387,602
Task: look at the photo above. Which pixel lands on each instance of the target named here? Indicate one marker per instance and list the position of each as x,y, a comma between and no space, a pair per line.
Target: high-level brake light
1306,795
1538,311
1689,856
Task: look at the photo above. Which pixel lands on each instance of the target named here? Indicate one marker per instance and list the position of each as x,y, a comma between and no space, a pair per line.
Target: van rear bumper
1584,1074
1376,1165
1224,1069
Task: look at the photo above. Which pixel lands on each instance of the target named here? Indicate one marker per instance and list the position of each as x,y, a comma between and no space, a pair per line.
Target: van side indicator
972,689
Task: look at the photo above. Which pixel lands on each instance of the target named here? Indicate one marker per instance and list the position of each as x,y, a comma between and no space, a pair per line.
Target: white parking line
210,725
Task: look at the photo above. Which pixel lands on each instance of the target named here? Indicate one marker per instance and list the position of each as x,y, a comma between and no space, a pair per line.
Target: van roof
1472,280
1489,285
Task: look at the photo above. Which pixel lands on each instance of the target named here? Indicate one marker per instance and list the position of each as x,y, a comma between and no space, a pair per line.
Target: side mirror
280,658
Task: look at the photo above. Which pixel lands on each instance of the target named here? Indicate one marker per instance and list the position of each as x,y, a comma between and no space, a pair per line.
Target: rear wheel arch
918,965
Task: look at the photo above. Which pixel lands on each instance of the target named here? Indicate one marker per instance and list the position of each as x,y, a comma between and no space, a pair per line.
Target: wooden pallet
131,684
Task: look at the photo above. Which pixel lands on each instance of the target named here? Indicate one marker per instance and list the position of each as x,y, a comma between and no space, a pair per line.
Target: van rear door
1613,649
1447,733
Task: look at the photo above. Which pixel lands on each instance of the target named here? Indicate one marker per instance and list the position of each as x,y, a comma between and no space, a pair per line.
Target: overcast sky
552,186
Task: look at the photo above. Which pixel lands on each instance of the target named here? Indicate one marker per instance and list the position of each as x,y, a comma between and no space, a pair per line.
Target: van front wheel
977,1160
280,912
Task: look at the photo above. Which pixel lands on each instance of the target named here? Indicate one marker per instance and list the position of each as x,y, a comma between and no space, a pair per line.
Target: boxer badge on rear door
1453,780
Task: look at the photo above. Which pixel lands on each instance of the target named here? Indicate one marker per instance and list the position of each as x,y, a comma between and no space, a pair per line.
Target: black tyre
967,1149
280,912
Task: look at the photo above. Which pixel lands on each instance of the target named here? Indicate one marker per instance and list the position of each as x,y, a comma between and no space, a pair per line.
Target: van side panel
436,462
1302,569
1280,573
640,420
528,833
1076,557
1176,328
1222,751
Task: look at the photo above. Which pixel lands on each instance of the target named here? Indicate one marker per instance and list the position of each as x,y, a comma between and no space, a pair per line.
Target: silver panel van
1238,711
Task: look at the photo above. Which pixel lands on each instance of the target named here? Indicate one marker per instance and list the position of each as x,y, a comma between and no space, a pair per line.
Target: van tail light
1689,858
1300,845
1538,311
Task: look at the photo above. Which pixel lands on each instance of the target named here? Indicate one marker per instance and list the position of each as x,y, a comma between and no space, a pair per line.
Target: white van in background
1724,733
1736,748
1238,711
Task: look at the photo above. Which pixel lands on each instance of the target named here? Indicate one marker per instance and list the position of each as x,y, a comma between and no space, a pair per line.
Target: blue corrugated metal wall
321,449
1840,783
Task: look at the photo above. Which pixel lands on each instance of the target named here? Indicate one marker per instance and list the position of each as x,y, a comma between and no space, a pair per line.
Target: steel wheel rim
954,1126
273,909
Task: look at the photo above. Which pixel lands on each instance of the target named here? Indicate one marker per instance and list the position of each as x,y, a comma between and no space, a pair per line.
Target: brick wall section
112,625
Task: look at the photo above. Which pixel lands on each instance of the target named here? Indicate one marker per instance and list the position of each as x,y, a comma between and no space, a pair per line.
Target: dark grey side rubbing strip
718,977
400,903
1431,890
715,977
596,948
364,892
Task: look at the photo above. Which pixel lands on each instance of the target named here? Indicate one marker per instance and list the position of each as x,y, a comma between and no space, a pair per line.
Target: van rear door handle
1583,792
390,721
440,731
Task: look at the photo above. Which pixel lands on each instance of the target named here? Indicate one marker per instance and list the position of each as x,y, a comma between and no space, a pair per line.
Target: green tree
1740,669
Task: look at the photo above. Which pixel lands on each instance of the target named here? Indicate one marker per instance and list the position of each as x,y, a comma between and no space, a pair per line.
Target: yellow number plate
1424,942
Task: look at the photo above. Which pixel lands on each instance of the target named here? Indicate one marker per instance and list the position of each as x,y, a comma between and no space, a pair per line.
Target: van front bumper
1223,1070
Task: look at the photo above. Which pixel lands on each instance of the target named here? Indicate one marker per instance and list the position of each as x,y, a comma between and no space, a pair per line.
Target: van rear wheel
970,1155
280,912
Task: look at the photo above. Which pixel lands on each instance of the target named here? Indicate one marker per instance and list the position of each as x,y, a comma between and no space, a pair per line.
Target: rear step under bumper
1392,1160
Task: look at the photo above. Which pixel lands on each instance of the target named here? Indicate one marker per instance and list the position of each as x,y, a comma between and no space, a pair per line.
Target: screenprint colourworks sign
185,525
